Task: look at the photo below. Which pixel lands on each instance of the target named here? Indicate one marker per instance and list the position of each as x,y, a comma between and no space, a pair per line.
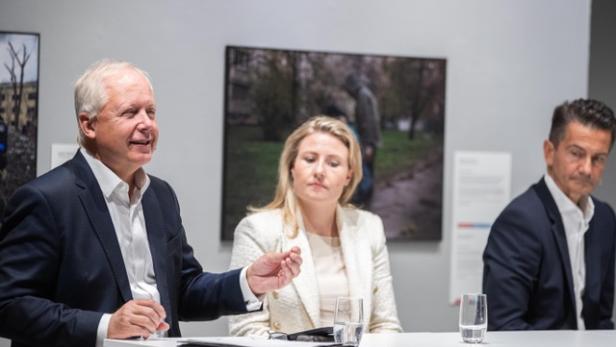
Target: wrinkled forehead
588,137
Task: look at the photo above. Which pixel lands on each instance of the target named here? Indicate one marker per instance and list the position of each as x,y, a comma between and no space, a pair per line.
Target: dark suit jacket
61,267
527,271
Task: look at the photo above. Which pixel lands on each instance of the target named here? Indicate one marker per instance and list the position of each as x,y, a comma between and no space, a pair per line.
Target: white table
555,338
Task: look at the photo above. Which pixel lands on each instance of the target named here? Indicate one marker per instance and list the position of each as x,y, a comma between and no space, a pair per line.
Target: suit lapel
561,242
156,239
305,283
95,208
558,230
592,259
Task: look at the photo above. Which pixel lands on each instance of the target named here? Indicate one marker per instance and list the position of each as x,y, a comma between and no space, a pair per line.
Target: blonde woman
343,247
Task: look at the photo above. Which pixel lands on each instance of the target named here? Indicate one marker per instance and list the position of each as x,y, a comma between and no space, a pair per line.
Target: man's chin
141,158
585,188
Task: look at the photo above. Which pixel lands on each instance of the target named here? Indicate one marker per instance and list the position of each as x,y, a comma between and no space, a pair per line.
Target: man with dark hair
591,113
549,260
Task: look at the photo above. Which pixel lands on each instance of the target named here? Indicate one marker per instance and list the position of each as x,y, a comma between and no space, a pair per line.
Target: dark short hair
588,112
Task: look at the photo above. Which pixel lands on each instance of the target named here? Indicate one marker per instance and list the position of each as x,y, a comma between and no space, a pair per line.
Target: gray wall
602,80
602,77
509,63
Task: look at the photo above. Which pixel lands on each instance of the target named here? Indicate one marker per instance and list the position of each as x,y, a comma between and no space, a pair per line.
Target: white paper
252,342
61,152
481,190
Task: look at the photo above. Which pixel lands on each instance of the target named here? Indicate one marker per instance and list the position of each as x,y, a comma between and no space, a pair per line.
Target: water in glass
348,334
348,321
473,317
473,333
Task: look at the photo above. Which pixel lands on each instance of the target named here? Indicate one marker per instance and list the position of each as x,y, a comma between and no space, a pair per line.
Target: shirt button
275,295
276,326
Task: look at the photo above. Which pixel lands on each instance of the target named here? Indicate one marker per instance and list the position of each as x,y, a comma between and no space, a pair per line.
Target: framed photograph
395,105
19,75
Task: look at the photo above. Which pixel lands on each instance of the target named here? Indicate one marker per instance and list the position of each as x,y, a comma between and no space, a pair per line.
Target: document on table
231,341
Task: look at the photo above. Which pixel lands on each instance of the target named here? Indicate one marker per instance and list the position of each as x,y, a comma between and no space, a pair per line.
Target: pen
138,338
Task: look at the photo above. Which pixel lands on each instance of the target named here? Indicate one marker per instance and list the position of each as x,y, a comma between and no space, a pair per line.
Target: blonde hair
285,197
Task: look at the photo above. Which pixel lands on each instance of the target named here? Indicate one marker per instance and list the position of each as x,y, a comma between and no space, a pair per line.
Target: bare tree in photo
422,82
427,93
21,58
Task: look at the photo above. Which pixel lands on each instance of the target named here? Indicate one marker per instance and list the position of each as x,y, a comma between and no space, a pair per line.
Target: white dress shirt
129,224
576,221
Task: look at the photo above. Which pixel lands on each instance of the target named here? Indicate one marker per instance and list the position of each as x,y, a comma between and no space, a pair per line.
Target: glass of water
473,317
348,320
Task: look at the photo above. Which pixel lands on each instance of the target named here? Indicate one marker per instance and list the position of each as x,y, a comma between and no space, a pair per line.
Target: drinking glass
473,317
348,320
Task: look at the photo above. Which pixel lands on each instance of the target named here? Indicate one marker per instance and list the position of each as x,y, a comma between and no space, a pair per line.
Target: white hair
90,92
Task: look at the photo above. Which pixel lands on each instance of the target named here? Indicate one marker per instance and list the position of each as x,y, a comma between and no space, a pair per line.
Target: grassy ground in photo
251,167
398,152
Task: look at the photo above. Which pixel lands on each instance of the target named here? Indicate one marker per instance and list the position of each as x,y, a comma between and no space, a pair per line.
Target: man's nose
145,121
586,165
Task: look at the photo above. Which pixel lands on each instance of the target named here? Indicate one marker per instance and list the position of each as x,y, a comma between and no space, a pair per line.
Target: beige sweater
330,272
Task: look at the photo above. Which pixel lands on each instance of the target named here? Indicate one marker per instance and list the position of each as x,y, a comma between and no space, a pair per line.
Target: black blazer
61,267
527,271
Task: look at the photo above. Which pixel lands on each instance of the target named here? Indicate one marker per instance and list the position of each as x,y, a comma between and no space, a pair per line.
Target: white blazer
296,306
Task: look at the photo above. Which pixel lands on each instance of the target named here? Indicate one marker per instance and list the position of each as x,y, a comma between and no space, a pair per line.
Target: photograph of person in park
394,105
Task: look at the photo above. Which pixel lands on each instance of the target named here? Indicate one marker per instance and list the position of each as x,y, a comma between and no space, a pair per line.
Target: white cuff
101,332
253,303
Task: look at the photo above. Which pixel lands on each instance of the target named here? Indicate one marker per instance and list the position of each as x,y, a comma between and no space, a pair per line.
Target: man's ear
87,125
548,152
